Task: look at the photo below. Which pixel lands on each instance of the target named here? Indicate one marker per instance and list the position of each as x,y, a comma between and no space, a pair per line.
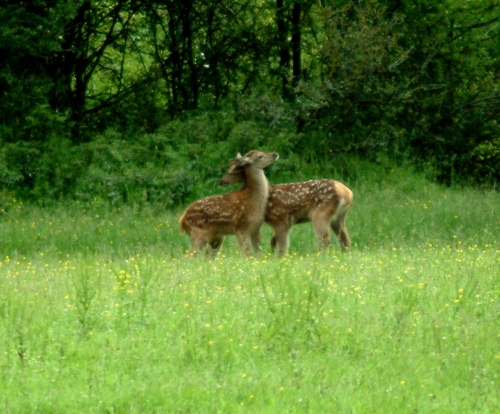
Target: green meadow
102,312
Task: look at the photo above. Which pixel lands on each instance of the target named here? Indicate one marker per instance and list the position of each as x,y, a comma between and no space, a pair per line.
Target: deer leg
339,228
243,241
215,245
322,230
199,239
255,239
197,246
273,244
279,242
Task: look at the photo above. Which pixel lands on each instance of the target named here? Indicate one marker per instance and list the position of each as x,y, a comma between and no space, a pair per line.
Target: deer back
297,202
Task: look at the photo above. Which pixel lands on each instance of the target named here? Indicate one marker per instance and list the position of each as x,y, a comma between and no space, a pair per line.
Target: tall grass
100,311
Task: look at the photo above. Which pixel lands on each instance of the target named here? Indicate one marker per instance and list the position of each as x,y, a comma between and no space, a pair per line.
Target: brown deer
322,202
239,212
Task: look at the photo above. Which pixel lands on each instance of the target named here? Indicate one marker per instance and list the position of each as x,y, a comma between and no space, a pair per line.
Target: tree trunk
191,83
296,43
284,49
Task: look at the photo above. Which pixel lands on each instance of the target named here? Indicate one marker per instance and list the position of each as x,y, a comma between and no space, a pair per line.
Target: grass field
101,312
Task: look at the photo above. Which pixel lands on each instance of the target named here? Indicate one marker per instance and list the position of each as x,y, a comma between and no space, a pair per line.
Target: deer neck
256,183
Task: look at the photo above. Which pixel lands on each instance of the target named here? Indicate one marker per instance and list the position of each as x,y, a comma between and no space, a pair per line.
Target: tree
289,24
455,77
206,49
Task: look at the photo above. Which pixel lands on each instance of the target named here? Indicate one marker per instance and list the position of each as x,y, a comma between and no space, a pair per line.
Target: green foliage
121,171
385,90
29,37
455,102
146,101
41,171
181,160
485,161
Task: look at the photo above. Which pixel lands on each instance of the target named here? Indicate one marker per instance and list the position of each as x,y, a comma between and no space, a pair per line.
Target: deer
239,212
323,202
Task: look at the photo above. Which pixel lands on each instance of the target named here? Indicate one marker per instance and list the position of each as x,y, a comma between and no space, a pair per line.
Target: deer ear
245,161
235,169
240,160
236,160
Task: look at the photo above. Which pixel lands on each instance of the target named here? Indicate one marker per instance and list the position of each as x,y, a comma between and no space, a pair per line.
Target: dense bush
145,101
